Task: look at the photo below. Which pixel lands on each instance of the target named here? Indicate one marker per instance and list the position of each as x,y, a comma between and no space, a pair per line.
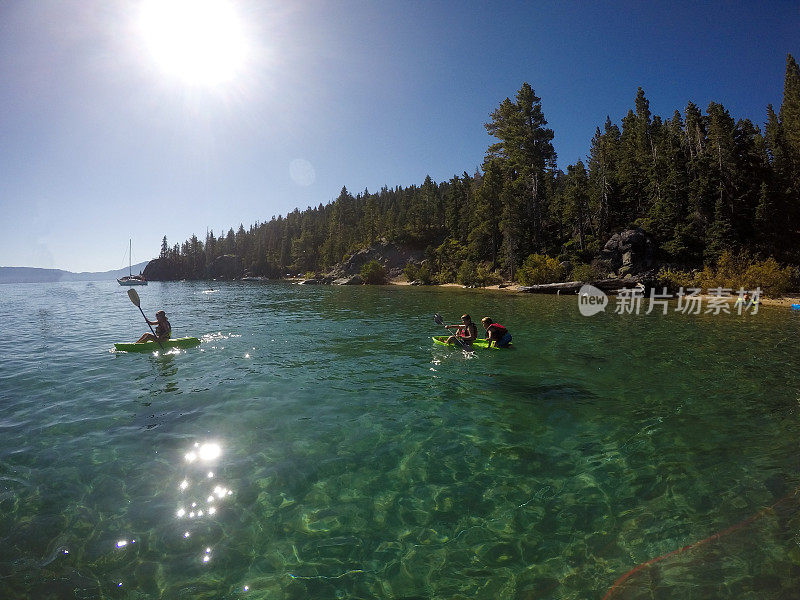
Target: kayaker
467,331
163,329
496,333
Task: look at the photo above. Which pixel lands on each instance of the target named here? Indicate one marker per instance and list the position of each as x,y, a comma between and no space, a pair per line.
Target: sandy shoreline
785,301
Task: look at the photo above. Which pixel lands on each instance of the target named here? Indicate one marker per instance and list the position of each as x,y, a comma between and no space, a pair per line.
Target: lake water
318,445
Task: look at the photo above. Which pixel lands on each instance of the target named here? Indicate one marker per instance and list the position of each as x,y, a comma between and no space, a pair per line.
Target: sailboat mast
130,257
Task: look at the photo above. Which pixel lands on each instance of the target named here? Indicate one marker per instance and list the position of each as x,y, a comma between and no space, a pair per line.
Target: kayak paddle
134,296
438,319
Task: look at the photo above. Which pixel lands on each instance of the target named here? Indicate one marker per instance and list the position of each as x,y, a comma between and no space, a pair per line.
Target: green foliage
467,273
733,271
674,279
485,276
373,273
448,258
573,252
525,152
740,271
701,182
773,279
477,275
790,113
411,271
422,273
540,268
586,272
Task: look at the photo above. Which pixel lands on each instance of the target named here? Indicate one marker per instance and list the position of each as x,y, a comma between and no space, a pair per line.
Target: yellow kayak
184,342
476,345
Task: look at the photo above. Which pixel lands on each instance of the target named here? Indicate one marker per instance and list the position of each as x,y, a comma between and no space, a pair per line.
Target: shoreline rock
610,285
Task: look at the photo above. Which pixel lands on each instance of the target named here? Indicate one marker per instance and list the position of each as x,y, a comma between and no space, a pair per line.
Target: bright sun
202,42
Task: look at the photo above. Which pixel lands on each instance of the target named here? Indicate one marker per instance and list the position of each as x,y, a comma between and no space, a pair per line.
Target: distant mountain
33,275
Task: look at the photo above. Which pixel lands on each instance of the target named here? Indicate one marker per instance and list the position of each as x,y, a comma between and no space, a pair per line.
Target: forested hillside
701,182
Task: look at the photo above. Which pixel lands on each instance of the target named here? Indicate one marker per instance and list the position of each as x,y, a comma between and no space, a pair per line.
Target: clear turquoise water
358,460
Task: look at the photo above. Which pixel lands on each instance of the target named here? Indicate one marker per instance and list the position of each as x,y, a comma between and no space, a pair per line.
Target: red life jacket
499,327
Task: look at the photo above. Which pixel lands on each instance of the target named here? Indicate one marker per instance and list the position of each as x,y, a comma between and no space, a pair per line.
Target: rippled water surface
318,445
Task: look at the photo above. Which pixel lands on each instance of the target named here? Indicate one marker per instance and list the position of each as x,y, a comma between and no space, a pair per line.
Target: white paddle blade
134,296
437,318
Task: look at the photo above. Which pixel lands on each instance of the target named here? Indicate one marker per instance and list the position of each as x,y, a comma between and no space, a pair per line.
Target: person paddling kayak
163,329
466,333
496,333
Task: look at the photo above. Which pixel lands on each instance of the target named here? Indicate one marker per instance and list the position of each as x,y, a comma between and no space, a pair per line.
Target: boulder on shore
393,257
630,252
227,266
163,269
351,280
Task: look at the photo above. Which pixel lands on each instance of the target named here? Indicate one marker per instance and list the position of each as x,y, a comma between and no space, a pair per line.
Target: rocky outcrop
630,252
351,280
163,269
393,257
228,266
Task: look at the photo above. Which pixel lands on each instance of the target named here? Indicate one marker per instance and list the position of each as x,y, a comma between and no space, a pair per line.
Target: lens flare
202,42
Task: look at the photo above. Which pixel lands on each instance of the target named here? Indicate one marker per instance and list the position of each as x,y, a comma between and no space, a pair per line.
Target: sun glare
202,42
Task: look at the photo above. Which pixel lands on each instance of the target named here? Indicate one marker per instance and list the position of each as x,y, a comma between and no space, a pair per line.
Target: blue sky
100,142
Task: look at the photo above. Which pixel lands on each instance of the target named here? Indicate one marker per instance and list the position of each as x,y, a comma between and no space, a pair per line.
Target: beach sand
785,301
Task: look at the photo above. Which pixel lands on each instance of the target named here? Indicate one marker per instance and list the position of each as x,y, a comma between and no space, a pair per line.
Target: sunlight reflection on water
318,445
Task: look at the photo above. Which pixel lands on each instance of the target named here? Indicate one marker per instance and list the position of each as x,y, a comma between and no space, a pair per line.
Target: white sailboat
131,279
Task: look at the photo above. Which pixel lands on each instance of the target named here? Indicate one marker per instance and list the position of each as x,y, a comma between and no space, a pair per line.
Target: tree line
700,182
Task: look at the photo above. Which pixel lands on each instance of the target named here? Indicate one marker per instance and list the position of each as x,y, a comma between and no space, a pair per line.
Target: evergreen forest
704,184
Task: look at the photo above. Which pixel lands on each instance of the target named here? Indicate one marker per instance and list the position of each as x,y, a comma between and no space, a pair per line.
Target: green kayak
476,345
184,342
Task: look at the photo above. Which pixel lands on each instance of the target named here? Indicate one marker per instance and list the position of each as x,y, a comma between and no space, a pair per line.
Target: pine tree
665,218
603,178
700,209
484,235
788,169
456,221
576,202
526,151
647,132
790,118
701,183
631,170
721,150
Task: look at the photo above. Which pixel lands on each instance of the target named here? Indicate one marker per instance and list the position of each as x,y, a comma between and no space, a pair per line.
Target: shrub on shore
674,279
373,273
479,275
540,268
734,271
586,272
415,272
